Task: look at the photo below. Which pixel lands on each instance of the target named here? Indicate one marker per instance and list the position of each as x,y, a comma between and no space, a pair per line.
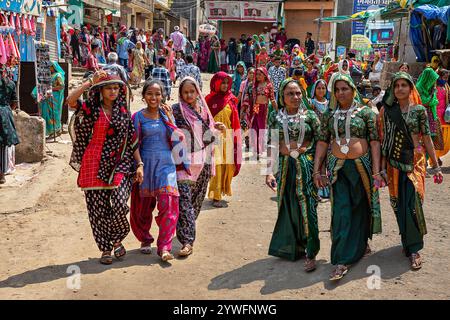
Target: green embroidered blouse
417,121
312,127
363,125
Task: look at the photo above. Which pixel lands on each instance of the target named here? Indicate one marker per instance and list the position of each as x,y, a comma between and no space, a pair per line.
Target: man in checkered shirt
162,74
190,70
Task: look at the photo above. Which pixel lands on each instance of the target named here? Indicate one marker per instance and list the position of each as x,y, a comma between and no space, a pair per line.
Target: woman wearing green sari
406,138
51,107
214,57
292,139
354,166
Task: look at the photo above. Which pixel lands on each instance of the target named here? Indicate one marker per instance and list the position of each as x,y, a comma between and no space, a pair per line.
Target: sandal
186,250
119,251
106,258
166,256
146,248
416,261
338,273
310,265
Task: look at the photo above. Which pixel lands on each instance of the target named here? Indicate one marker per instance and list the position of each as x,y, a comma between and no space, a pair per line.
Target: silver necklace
341,115
407,113
298,118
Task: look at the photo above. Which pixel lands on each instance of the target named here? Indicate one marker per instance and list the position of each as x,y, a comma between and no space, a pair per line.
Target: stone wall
31,131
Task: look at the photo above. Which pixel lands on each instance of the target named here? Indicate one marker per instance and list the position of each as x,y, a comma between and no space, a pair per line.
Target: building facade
137,13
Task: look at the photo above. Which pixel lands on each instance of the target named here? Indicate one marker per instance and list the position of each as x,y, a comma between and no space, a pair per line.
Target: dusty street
46,237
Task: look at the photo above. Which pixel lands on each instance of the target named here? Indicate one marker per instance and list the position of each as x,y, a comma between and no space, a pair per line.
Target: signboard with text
358,27
33,7
241,11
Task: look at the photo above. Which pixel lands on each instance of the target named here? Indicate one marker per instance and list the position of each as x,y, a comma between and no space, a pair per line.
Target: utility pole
319,25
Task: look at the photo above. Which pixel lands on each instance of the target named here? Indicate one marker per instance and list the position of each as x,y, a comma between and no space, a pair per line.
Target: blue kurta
155,149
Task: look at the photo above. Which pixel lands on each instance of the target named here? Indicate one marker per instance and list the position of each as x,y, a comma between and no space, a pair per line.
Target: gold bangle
316,173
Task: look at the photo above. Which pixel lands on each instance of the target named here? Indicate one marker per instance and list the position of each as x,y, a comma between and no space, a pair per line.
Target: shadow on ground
90,266
280,275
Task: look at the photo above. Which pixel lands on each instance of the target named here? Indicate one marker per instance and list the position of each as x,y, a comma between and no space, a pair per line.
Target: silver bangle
140,164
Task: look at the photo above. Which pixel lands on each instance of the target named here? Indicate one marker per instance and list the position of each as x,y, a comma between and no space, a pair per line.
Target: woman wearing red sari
223,106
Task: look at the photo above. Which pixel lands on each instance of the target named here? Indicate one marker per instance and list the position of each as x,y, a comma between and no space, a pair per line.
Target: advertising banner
358,27
242,11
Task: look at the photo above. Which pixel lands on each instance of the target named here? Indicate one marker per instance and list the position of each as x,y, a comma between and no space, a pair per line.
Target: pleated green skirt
350,222
289,239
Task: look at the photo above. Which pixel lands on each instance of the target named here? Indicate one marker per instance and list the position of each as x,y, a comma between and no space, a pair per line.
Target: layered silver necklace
347,116
299,120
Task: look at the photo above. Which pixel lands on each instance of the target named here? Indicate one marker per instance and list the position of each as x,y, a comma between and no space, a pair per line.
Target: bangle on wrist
316,173
140,164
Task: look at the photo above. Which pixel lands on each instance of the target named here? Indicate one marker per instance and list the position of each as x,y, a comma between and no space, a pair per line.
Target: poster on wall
259,11
358,27
223,10
43,73
241,11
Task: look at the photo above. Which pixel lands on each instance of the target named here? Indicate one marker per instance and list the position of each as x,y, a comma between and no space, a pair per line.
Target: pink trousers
141,218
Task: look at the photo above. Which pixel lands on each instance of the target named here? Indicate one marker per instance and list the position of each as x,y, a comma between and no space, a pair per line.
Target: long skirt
406,191
258,126
192,195
213,65
355,208
107,210
141,218
446,140
296,229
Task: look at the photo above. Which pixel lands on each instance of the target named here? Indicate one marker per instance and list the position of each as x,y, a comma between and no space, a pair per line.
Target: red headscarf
218,100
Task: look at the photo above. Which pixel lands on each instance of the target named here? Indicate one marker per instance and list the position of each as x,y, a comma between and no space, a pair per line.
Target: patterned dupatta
397,145
121,140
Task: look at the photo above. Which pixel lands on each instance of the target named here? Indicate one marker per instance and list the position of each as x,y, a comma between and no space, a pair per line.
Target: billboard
241,11
366,5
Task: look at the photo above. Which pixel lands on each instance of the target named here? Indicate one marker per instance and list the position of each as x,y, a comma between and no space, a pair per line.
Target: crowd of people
320,136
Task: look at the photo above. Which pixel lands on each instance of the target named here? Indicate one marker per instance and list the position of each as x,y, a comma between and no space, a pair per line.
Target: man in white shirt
179,41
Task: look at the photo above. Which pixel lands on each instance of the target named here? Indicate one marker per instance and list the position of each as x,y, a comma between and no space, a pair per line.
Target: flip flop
338,273
120,251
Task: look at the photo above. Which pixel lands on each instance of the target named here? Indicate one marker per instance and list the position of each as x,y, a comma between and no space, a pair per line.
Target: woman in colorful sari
351,130
194,118
263,94
138,64
170,61
327,62
214,57
51,107
426,86
103,150
443,95
295,129
223,106
239,75
311,76
319,104
405,140
205,47
158,140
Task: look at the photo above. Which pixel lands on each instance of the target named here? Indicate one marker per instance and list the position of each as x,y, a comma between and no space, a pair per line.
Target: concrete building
191,13
96,12
299,16
137,13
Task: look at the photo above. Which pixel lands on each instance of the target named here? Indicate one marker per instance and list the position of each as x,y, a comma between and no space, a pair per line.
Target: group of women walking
342,145
165,157
161,156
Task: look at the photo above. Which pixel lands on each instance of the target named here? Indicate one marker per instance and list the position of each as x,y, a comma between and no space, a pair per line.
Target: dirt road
48,251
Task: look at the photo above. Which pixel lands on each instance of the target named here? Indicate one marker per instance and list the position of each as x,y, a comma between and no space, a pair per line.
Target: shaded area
90,266
280,275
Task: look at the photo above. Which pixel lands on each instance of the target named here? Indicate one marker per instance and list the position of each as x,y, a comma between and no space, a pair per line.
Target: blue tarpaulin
429,12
